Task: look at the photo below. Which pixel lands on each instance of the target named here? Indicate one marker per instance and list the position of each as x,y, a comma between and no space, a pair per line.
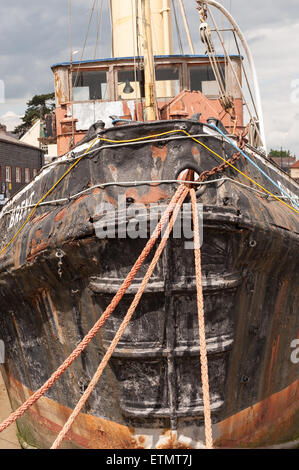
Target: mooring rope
172,210
98,325
201,326
66,428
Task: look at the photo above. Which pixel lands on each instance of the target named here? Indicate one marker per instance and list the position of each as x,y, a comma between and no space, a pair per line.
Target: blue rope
121,120
254,164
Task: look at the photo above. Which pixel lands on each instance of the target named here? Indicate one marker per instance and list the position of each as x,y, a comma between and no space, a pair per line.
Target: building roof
296,165
4,137
37,123
111,59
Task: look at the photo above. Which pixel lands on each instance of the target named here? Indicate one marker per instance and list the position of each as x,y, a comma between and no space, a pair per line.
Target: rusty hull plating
151,390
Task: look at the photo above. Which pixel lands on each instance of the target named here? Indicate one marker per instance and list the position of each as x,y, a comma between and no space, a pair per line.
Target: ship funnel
126,20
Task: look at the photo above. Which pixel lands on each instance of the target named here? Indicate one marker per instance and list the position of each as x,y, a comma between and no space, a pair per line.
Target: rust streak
159,152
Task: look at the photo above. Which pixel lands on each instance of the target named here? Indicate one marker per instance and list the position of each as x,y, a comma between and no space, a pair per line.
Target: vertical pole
71,72
166,12
149,68
187,27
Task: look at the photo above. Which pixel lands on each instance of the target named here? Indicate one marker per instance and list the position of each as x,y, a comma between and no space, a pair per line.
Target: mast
149,66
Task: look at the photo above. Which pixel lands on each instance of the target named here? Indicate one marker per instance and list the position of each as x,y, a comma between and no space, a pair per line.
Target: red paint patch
77,201
60,215
159,152
154,194
195,151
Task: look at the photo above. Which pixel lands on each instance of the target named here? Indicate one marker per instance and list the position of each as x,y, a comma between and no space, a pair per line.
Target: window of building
130,84
18,175
34,172
27,175
8,174
90,85
202,79
167,81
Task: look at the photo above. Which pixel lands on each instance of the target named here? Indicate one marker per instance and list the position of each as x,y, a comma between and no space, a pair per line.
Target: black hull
153,384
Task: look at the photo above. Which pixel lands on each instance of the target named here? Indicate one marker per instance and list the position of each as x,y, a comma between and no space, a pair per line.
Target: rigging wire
205,33
135,40
177,28
71,69
245,74
111,25
187,28
85,41
139,60
100,15
70,30
234,73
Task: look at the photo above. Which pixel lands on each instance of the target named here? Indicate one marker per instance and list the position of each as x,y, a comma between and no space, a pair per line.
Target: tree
37,108
279,153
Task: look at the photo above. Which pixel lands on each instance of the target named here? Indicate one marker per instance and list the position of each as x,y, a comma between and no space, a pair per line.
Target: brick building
19,163
285,163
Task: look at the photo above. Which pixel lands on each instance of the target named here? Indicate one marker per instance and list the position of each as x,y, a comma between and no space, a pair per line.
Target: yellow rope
211,151
136,140
67,172
246,176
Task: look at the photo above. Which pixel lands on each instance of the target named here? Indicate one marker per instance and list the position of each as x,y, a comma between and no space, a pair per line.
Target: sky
34,34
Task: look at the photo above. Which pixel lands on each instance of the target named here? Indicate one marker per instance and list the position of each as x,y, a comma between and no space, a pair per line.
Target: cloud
10,120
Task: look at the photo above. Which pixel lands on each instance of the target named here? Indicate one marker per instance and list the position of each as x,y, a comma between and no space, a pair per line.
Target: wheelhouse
105,89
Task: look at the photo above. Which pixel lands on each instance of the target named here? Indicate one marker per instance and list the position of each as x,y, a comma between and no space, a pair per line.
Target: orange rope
66,428
115,301
173,208
201,325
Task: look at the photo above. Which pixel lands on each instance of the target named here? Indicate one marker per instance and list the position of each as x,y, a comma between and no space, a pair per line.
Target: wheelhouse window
202,78
18,175
130,84
8,174
167,81
90,85
27,175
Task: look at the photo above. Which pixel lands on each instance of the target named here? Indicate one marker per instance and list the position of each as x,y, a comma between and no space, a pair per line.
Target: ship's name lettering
20,211
295,353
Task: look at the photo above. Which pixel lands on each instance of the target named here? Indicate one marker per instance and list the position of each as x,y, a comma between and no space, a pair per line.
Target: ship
156,121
